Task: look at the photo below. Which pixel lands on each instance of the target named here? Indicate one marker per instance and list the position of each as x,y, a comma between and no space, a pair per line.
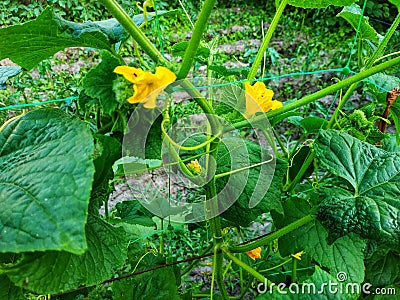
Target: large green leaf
111,27
159,284
36,40
254,190
321,279
320,3
344,255
107,151
293,209
383,268
143,139
54,271
372,208
33,41
247,185
45,180
98,82
352,14
9,291
241,211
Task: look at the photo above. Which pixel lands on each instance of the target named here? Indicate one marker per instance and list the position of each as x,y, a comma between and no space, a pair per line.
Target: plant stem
248,246
123,18
301,172
215,224
194,42
384,42
317,95
264,45
204,105
278,139
245,267
162,237
294,269
378,51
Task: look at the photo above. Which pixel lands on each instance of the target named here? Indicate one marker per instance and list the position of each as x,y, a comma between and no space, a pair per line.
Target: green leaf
159,284
45,180
54,271
384,81
111,27
30,43
308,125
129,165
389,144
293,209
372,208
383,268
297,162
320,279
144,137
8,290
352,15
98,82
320,3
7,72
179,49
395,114
223,71
133,212
250,185
312,124
344,255
395,2
241,211
107,151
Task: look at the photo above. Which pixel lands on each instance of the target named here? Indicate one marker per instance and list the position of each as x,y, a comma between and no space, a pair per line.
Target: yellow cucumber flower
147,86
194,167
255,253
298,255
259,99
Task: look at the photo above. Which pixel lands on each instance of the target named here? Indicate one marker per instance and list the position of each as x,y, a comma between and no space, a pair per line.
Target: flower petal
135,75
165,76
276,104
147,86
259,99
255,253
141,91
